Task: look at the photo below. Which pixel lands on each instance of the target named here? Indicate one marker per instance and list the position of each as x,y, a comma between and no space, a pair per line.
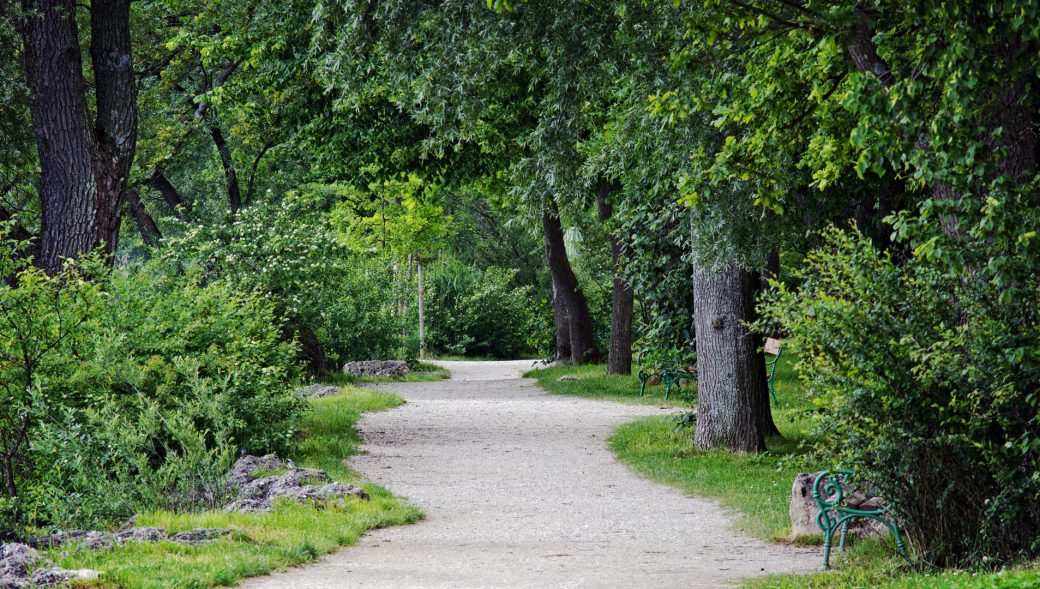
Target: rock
142,534
567,378
243,472
90,540
302,485
803,510
16,560
22,566
383,368
317,391
84,574
199,536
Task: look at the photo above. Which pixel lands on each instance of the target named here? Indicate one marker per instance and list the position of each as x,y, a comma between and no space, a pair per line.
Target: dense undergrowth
291,534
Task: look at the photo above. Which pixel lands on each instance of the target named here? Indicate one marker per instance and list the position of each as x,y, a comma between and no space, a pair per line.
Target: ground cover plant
292,534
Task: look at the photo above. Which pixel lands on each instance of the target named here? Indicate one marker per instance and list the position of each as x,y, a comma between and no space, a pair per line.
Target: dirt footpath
520,490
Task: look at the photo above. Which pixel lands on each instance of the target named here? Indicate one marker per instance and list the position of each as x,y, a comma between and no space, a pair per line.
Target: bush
478,312
926,375
290,253
131,391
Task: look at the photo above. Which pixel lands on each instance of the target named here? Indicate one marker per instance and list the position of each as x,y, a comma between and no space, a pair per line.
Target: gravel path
520,490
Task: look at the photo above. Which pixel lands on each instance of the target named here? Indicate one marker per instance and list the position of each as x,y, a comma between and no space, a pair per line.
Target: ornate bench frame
829,492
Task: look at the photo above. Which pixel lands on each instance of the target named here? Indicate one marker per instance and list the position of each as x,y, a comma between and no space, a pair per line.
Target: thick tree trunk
619,356
732,401
422,308
563,329
64,138
145,223
116,125
565,287
83,166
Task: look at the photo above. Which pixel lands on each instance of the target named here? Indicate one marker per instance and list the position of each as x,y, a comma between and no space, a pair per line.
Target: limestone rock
21,566
317,391
567,378
244,469
141,534
200,536
383,368
299,484
90,540
803,510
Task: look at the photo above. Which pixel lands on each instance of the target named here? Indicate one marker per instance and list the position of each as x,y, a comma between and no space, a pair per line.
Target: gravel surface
520,490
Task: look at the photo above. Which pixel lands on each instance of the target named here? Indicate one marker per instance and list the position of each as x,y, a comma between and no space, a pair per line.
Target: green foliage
291,253
474,312
292,534
925,375
131,391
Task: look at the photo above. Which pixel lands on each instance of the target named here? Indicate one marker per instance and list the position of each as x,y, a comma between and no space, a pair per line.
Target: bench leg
900,544
828,535
668,389
844,533
642,385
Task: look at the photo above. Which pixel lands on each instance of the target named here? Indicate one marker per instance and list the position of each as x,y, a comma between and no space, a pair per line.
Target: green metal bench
670,374
774,347
835,495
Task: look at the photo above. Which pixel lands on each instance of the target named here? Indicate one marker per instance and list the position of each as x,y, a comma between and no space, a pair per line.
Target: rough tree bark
619,356
732,401
563,329
567,293
83,166
230,176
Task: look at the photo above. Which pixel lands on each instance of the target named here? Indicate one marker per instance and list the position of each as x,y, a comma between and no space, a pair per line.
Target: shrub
478,312
290,253
925,375
131,391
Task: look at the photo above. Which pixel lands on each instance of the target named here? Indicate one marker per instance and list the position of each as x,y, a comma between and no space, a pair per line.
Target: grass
756,487
292,534
592,382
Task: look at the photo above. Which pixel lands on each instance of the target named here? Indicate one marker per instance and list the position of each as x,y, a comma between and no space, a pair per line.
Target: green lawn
290,535
592,381
755,487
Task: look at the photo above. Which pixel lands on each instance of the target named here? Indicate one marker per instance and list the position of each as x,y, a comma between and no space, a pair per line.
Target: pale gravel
520,490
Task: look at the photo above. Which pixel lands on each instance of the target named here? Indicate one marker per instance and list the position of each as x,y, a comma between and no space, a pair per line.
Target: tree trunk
563,330
64,139
230,176
116,125
178,205
422,309
732,401
619,356
83,166
566,289
145,223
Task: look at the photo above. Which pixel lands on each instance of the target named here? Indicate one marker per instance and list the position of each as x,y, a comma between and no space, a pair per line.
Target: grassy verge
291,534
591,381
755,487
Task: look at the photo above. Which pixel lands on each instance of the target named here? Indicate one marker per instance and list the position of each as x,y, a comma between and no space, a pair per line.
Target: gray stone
141,534
22,566
302,485
200,536
803,510
90,540
380,368
243,472
567,378
317,391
